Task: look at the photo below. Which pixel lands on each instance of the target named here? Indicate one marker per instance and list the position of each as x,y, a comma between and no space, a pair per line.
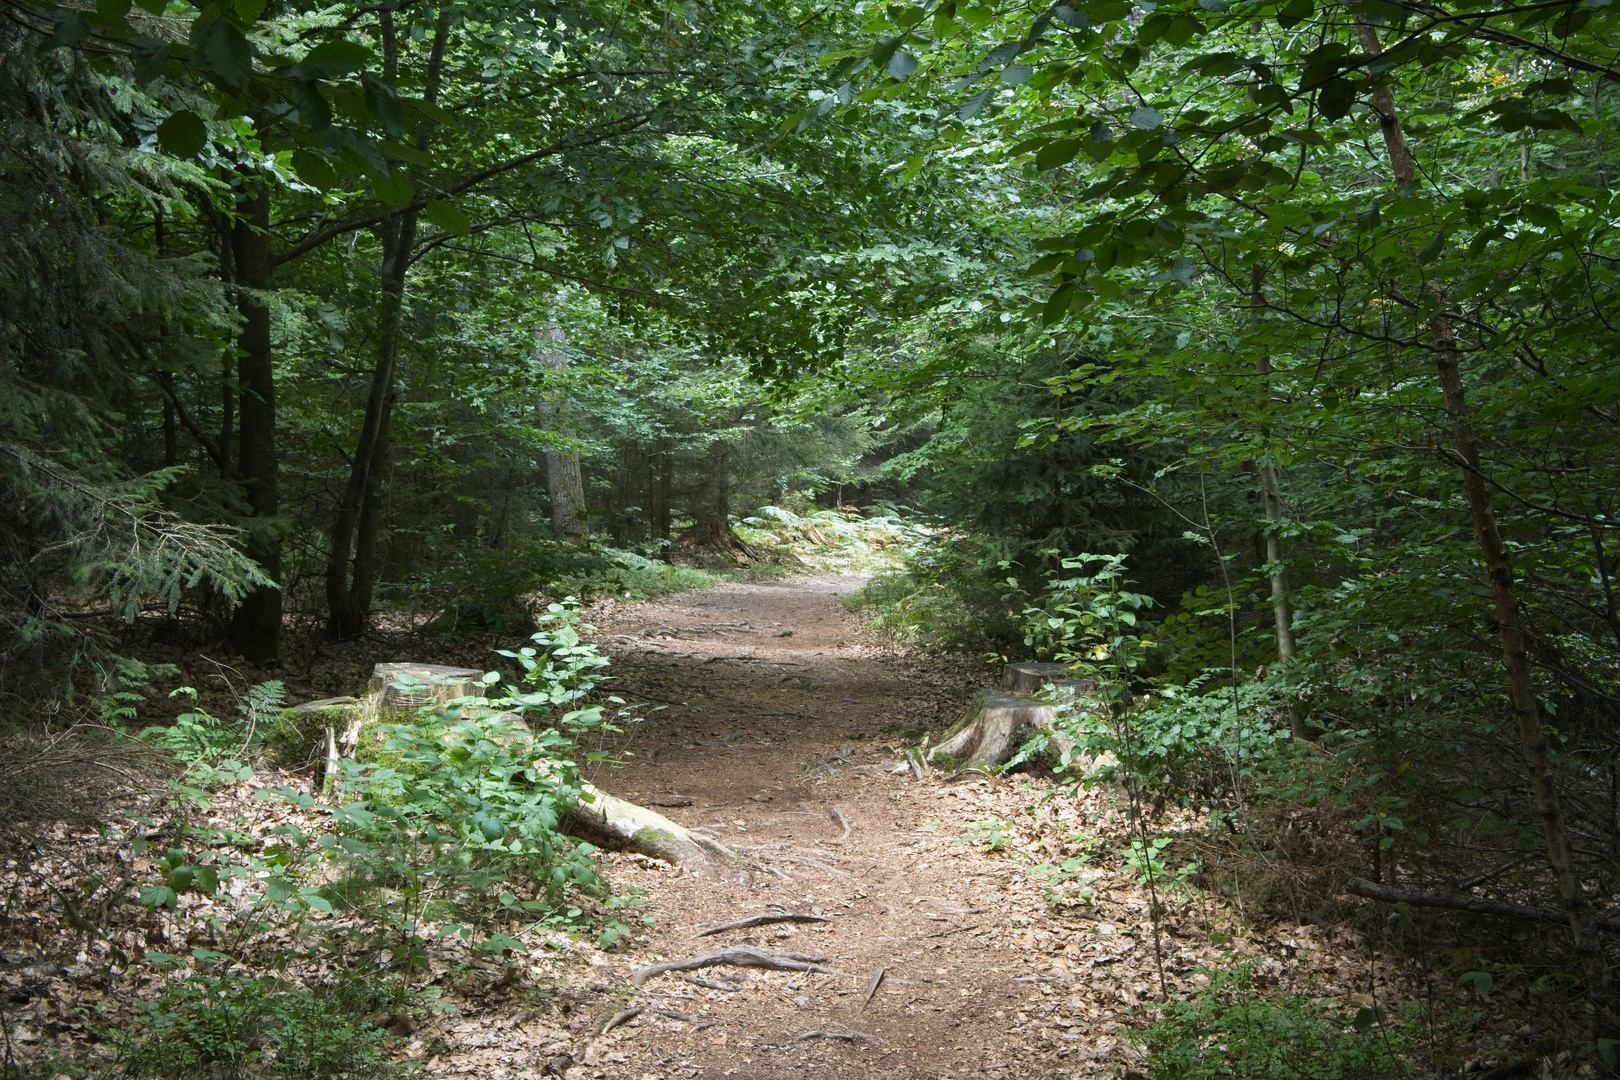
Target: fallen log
1478,905
618,825
738,956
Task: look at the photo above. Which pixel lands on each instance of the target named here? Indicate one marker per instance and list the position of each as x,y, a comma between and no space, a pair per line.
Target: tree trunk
256,625
359,510
1515,642
663,486
171,431
1282,609
227,392
564,484
358,521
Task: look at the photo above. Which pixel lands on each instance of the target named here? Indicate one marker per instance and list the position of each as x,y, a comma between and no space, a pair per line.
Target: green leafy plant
236,1027
1066,884
1232,1032
989,834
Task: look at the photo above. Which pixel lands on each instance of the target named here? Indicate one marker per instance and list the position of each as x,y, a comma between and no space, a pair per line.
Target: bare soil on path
779,714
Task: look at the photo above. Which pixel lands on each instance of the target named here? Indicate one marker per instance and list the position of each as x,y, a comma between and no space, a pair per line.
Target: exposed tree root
843,1036
762,920
843,819
738,956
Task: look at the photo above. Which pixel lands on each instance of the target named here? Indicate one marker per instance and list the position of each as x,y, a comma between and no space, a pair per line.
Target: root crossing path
931,949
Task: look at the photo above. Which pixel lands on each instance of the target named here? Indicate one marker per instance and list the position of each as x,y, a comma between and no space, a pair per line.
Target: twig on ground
711,984
872,987
762,920
739,956
954,930
620,1018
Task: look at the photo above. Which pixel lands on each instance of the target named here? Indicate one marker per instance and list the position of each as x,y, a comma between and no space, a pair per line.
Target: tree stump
1028,678
993,729
418,685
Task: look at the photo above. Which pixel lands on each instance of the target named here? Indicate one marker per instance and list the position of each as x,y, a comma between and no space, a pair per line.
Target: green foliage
237,1027
990,835
948,595
483,591
1090,621
1065,885
1230,1031
561,667
471,804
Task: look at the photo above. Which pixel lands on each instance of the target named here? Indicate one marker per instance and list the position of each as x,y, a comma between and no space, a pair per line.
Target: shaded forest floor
775,716
779,712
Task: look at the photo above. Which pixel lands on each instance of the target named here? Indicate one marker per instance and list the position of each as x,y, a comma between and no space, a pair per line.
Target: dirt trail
777,710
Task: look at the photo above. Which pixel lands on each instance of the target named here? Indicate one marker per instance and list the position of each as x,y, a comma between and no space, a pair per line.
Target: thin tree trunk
369,531
1515,643
356,526
663,486
256,625
564,484
227,393
1282,609
171,431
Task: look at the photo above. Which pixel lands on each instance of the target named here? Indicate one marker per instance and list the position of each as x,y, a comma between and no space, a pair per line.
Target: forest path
778,705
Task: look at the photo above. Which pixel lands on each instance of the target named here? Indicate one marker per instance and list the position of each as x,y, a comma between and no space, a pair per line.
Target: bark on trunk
349,566
171,430
1516,657
663,485
256,625
351,562
1515,642
564,484
1282,609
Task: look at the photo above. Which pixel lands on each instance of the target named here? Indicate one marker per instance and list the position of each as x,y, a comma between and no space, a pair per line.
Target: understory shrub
948,594
482,590
1231,1031
237,1027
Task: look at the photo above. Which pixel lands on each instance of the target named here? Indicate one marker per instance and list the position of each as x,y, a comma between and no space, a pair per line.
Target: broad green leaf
182,134
902,65
1145,118
397,190
331,59
313,169
1056,153
226,52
